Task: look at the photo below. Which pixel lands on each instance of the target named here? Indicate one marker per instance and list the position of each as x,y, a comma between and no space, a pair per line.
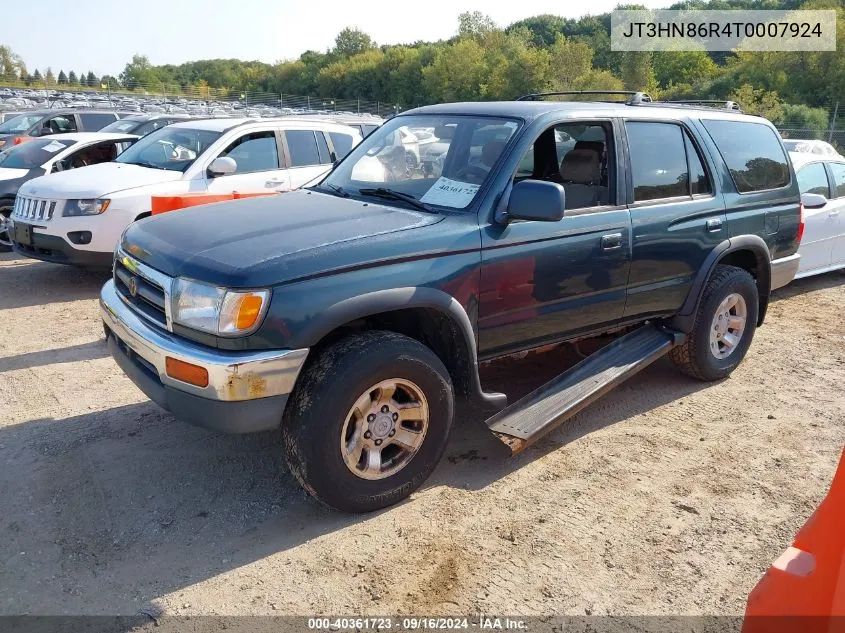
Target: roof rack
733,106
634,98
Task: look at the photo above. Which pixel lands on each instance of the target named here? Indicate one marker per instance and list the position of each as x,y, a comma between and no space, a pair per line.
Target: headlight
85,207
217,310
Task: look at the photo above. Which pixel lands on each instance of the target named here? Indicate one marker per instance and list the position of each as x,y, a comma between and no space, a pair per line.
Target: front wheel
5,233
724,326
368,421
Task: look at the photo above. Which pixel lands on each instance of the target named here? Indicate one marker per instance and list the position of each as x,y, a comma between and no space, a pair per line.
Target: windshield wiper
339,190
392,194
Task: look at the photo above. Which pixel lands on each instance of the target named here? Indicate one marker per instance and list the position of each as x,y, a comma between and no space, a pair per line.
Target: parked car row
76,216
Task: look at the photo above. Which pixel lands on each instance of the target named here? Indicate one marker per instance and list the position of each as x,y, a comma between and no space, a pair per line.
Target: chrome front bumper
232,376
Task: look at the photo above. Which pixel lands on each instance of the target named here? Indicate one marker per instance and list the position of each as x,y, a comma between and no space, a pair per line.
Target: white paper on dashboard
450,193
53,147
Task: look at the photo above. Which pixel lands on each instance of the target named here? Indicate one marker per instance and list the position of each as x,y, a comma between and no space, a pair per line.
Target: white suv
77,217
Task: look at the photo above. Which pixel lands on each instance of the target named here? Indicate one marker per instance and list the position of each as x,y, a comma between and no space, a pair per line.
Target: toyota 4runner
351,314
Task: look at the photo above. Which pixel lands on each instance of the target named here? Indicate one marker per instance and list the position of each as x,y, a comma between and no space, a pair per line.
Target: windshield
173,148
20,123
436,160
33,154
123,126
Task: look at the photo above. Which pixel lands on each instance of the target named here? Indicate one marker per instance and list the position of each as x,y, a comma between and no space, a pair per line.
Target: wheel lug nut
385,409
378,442
371,417
392,433
395,417
367,435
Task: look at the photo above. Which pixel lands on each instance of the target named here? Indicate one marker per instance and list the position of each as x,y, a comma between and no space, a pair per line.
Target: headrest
490,152
581,166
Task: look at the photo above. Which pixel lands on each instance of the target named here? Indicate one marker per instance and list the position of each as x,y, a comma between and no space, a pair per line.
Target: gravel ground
667,497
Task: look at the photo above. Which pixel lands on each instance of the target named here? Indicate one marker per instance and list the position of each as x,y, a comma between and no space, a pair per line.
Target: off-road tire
694,357
325,392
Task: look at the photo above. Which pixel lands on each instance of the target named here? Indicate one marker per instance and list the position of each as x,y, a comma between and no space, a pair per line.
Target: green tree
683,67
50,78
352,41
137,74
72,79
758,101
91,80
802,117
570,61
544,29
474,24
12,67
36,78
637,71
62,78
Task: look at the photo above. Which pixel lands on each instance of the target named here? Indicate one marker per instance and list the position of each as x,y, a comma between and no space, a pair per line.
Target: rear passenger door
677,217
259,169
308,156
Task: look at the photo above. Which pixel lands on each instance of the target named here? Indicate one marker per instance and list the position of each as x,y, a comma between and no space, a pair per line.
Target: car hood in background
97,181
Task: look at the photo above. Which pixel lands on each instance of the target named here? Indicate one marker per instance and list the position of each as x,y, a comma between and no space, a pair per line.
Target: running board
531,417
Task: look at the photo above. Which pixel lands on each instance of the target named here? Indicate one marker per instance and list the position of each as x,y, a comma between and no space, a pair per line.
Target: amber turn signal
186,372
247,311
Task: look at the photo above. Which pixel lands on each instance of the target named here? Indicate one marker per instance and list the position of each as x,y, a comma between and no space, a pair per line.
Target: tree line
484,61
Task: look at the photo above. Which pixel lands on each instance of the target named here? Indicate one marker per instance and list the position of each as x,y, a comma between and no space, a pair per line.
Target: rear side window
838,170
813,179
342,144
368,129
94,121
658,160
752,152
302,146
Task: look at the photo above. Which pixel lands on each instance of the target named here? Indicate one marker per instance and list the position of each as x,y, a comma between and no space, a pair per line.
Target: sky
102,35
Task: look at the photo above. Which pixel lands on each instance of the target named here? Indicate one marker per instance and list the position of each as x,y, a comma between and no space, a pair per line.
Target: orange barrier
804,589
163,204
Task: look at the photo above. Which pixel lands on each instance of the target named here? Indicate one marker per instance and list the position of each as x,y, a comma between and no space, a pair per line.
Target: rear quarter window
752,152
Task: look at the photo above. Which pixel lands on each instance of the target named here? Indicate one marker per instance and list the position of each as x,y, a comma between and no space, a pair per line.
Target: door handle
714,225
275,183
833,214
611,242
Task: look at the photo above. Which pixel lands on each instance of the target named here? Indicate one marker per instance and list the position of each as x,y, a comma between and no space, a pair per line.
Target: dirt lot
667,497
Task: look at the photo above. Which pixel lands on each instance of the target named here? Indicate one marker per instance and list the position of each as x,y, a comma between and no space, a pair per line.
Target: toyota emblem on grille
133,286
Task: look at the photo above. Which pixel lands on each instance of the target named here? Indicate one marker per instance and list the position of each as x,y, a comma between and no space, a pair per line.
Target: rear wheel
5,233
368,421
724,326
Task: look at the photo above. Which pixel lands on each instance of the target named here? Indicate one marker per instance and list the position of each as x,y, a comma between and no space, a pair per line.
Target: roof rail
706,103
633,97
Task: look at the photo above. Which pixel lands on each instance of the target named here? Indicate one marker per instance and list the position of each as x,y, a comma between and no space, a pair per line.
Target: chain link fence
200,101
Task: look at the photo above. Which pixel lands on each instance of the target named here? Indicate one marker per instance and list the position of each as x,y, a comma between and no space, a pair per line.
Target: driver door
258,166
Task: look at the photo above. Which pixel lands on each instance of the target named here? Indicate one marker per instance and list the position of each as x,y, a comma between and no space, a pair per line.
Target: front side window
59,125
302,146
457,159
33,154
658,160
576,155
838,171
752,152
342,143
812,178
172,148
254,152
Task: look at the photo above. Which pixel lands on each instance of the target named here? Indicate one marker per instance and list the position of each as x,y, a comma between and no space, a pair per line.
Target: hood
97,181
261,242
11,180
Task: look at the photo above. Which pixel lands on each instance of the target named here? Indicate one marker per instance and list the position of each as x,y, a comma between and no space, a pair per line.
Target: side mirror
813,200
222,166
536,200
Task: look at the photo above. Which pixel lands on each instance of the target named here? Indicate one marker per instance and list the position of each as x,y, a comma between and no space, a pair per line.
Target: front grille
142,289
35,209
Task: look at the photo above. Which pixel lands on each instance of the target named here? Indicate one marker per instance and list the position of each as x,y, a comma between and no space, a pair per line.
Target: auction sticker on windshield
450,193
53,146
